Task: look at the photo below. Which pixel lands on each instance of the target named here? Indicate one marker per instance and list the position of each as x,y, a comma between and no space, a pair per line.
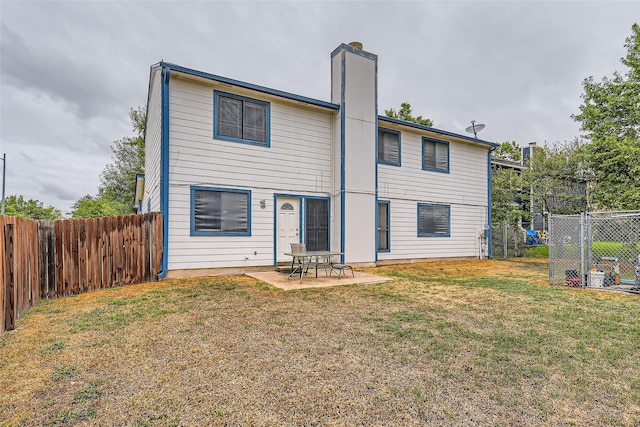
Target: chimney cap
356,45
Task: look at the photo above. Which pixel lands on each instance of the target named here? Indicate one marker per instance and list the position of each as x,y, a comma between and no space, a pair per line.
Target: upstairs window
388,147
435,155
218,212
241,119
434,220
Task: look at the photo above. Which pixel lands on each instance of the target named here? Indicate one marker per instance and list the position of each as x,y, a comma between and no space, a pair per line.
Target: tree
32,209
118,179
509,151
506,185
89,206
405,114
553,179
610,116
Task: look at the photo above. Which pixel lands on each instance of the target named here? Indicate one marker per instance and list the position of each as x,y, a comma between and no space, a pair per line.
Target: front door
287,226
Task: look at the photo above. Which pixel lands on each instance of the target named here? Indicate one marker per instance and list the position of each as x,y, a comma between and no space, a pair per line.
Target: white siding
298,161
464,188
360,81
152,145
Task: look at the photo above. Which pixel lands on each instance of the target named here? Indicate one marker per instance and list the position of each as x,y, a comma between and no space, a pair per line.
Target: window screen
435,155
433,220
383,226
389,147
220,211
317,224
242,118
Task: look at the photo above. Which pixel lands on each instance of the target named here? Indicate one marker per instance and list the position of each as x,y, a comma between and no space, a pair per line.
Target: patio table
310,258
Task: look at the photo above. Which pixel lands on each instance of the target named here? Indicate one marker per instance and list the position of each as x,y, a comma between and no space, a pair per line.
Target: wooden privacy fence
50,259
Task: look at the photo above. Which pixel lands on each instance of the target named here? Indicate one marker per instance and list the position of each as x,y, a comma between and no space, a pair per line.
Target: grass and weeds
540,251
444,343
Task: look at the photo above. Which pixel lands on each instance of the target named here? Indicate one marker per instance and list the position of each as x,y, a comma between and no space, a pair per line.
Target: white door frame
289,231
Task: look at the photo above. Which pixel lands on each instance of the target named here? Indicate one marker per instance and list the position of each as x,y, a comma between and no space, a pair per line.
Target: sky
70,71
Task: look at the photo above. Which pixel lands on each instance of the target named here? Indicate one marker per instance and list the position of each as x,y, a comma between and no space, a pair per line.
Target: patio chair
324,262
340,268
298,265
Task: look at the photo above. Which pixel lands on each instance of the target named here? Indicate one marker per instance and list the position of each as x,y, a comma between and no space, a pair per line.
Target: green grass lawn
448,343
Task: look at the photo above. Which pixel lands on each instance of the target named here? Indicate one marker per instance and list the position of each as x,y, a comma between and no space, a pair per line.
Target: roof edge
438,131
251,86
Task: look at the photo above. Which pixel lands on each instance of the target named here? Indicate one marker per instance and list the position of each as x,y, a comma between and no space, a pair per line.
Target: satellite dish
475,128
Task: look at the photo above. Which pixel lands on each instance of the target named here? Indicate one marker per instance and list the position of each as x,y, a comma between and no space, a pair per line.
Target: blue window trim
396,132
440,141
216,94
433,234
219,233
388,203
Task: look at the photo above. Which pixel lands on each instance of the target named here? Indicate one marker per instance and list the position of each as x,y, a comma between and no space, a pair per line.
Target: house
240,171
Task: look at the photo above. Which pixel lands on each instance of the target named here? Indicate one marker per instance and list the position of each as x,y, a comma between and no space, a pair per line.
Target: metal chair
298,265
340,268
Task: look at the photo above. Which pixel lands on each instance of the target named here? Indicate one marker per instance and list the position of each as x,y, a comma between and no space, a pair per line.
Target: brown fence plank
106,252
89,248
116,250
82,256
18,269
134,249
36,284
73,259
51,258
137,255
147,247
59,236
126,245
9,294
139,239
42,257
3,282
157,243
66,258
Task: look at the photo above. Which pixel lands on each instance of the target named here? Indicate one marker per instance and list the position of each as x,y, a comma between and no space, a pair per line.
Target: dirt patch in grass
446,343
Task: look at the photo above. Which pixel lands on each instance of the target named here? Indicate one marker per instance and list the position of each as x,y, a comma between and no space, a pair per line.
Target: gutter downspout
164,172
489,201
343,117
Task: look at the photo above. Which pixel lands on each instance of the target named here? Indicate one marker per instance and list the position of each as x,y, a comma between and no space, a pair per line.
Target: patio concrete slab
280,280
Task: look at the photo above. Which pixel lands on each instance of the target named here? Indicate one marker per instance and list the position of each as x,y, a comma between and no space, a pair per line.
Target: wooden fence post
9,280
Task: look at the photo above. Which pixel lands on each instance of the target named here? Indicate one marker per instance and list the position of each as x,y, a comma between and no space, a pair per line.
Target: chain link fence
507,241
599,250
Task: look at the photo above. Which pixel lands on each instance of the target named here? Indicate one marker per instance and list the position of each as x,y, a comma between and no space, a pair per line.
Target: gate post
583,274
550,246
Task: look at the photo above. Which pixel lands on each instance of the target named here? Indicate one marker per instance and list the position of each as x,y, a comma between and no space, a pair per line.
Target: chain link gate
599,250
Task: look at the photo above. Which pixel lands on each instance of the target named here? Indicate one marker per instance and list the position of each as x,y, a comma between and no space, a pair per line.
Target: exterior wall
464,188
152,145
357,83
297,162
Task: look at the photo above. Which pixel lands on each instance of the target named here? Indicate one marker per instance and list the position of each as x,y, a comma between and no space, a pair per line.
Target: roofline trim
251,86
434,130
